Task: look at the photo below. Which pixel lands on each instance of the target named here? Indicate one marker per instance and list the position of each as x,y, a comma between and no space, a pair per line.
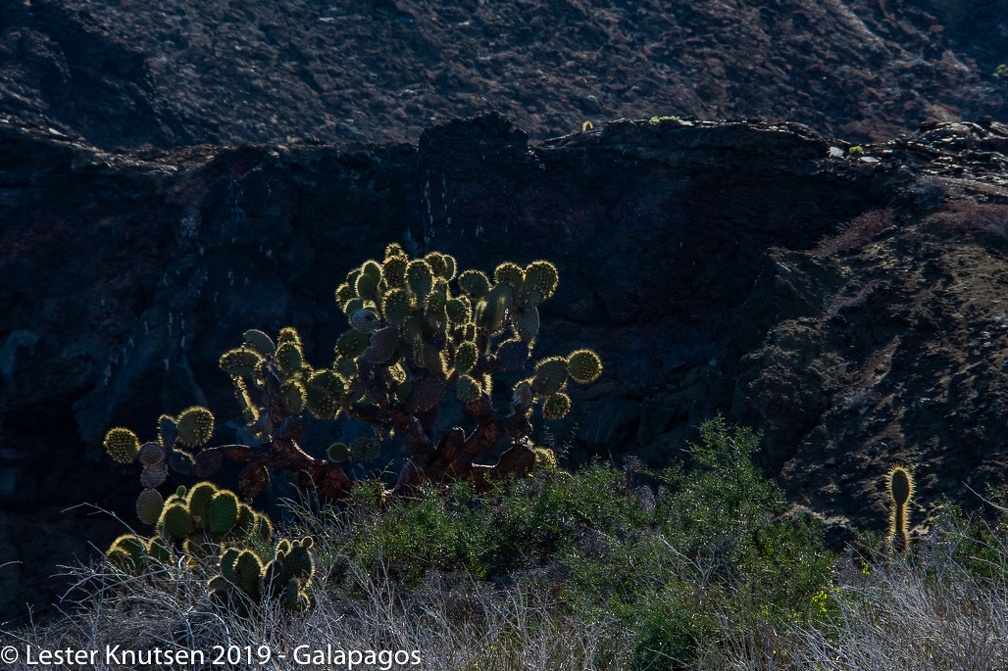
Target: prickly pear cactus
419,332
210,525
247,576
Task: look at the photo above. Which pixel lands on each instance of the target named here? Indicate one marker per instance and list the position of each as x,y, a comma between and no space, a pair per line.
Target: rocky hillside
842,294
129,73
847,303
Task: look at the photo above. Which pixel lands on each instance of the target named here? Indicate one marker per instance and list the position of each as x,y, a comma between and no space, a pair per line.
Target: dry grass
855,233
905,614
938,609
968,216
452,622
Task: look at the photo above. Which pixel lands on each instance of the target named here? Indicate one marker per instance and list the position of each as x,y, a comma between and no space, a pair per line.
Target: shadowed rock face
128,73
686,259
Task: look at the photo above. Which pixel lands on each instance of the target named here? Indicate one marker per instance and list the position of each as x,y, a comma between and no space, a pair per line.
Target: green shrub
666,553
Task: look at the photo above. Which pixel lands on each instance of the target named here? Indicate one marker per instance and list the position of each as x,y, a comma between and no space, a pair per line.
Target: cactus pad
434,314
584,366
541,278
474,283
159,550
154,475
151,453
122,445
292,393
344,293
451,266
248,569
253,480
222,512
526,323
437,263
512,354
195,426
459,310
241,362
289,358
491,311
510,273
167,430
178,523
364,449
352,344
289,334
149,506
127,552
339,452
367,286
466,356
556,406
298,563
419,277
260,342
550,376
246,520
396,305
394,270
227,561
468,389
438,296
384,343
522,396
353,305
199,499
323,392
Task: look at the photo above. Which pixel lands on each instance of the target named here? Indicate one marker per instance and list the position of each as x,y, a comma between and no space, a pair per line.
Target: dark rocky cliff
129,73
690,258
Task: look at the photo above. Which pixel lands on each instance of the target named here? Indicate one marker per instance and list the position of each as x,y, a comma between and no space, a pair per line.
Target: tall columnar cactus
901,490
417,329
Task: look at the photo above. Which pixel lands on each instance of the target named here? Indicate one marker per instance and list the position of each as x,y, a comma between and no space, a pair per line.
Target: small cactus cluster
201,517
132,553
204,522
417,329
286,576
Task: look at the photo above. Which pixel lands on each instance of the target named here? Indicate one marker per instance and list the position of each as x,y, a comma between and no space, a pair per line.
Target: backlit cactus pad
122,445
